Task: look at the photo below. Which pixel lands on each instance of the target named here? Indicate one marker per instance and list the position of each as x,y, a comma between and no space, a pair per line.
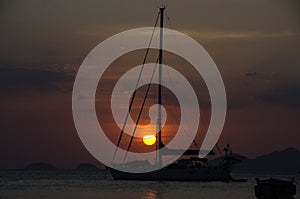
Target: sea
99,184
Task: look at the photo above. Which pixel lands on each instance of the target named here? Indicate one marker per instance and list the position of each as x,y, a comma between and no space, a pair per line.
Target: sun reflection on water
150,194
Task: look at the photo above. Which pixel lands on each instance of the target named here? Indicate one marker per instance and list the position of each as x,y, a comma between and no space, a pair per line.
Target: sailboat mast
160,59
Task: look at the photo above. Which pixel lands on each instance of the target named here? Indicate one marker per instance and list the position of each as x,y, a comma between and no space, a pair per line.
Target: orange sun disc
149,139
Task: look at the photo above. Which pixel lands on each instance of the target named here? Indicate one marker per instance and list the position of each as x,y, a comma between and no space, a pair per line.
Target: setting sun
149,139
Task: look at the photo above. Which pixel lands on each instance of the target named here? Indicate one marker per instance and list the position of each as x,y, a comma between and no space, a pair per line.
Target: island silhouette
283,161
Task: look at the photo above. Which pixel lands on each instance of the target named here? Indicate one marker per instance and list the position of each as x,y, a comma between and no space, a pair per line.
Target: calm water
74,184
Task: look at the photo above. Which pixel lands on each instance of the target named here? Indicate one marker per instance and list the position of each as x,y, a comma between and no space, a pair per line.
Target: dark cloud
21,79
36,33
287,96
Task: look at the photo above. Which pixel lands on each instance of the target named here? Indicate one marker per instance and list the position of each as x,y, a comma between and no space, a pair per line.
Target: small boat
275,189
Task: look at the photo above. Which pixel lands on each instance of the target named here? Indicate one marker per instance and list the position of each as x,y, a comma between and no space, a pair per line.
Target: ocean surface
80,184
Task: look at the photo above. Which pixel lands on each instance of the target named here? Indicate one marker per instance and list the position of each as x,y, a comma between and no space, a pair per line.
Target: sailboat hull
176,174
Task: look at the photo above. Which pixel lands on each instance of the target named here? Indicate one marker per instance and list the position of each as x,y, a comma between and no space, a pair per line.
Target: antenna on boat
160,58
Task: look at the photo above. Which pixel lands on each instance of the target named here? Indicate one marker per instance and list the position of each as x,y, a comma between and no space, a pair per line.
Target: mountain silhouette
287,160
40,167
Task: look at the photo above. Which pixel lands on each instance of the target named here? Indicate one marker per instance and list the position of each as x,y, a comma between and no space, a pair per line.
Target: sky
254,43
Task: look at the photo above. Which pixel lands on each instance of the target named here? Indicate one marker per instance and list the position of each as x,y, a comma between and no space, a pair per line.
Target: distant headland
287,160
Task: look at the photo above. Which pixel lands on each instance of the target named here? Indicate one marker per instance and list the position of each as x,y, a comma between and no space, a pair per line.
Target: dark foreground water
75,184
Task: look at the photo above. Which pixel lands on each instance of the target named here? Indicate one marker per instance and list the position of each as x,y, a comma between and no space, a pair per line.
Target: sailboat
192,169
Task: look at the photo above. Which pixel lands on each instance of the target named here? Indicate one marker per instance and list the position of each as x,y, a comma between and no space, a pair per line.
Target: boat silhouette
190,169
